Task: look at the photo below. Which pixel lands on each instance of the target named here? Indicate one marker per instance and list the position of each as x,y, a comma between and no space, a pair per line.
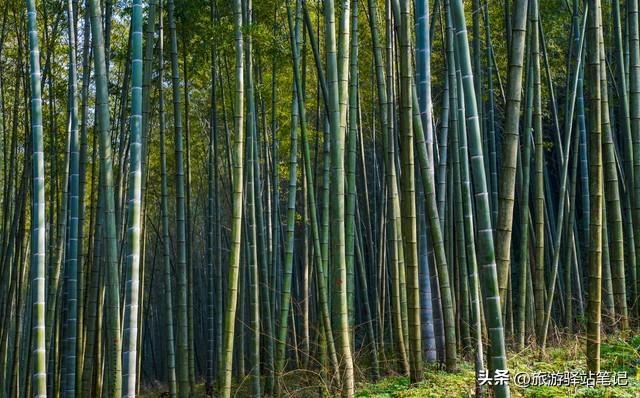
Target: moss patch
617,355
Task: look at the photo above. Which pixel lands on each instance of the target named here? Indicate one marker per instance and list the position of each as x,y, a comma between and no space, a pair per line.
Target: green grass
437,383
617,355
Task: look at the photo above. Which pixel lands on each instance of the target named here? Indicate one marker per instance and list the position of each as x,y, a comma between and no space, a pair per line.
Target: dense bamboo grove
336,191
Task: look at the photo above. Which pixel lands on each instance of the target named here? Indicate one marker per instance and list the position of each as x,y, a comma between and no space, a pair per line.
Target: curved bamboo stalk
510,144
486,255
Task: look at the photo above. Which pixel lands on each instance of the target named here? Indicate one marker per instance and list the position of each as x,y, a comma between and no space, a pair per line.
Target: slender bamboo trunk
213,262
38,252
564,203
386,112
634,114
132,285
510,144
110,243
164,206
595,187
338,68
182,346
471,257
71,262
408,197
498,358
538,191
612,202
351,141
236,225
428,184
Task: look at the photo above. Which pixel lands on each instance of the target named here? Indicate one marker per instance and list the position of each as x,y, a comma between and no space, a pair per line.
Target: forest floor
618,355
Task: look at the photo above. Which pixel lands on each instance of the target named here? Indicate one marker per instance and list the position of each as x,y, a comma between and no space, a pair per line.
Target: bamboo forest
319,198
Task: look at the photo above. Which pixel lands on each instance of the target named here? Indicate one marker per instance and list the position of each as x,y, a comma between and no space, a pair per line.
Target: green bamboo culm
147,69
252,244
486,254
38,227
164,211
252,260
510,145
321,270
236,216
634,115
386,107
114,374
337,81
524,216
423,74
130,331
625,127
612,201
351,144
563,201
538,191
213,261
291,200
435,229
472,263
83,276
463,259
596,186
182,358
71,255
408,197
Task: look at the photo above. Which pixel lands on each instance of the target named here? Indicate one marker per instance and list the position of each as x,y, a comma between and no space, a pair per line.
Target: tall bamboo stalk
486,254
236,225
38,251
71,262
510,144
596,186
106,170
132,285
182,346
408,196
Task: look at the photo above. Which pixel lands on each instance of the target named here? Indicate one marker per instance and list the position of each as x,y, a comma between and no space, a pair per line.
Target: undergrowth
617,355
